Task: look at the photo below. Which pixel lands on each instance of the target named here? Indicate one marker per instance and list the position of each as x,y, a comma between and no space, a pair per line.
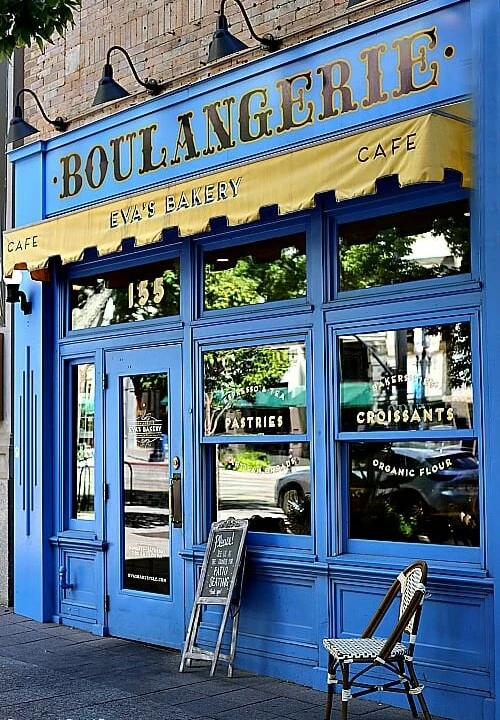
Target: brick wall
167,40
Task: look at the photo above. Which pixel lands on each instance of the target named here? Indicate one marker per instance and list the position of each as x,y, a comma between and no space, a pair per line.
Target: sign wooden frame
220,583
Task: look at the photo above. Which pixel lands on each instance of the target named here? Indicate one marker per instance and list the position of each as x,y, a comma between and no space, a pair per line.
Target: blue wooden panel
81,573
29,181
454,645
33,456
277,633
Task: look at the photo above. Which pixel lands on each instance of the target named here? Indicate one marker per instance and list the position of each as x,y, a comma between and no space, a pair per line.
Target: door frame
137,614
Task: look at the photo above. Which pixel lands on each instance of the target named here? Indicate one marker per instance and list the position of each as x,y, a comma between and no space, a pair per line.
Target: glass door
143,490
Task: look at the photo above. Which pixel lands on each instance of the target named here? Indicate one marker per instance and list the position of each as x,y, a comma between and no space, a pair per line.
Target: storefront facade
266,295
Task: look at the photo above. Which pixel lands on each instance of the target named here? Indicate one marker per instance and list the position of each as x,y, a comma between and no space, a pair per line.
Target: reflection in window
255,390
83,393
415,245
409,379
268,484
146,562
255,273
421,492
121,296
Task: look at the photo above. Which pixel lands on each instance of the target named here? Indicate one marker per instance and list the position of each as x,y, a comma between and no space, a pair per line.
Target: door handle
175,500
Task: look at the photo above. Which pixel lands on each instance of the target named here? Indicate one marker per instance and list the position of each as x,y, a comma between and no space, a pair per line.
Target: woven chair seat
360,648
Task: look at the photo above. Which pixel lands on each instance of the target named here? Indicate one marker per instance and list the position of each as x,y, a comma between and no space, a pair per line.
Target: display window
255,273
423,491
126,295
410,378
82,445
407,435
419,244
256,436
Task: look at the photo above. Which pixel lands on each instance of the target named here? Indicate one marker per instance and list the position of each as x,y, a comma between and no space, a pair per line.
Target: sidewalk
51,672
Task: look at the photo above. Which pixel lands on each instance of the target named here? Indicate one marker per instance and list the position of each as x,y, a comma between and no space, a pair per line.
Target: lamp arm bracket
151,85
59,123
269,41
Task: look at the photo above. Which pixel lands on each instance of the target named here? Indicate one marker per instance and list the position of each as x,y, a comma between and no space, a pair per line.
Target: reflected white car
292,489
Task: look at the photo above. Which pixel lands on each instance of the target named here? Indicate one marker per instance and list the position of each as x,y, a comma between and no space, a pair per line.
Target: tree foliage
234,374
23,22
251,282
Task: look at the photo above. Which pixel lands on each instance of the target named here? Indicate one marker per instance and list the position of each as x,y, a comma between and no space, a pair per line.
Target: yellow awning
416,150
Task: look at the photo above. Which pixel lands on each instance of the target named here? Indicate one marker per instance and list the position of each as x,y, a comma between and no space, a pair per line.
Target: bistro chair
391,654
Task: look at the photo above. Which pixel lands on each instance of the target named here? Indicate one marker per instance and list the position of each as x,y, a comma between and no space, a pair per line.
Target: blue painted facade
298,588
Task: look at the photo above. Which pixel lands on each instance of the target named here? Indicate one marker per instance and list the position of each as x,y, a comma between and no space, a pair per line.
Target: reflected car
439,481
293,489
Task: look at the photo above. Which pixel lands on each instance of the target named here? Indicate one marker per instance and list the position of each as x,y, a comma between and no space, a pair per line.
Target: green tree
230,288
386,258
23,22
282,279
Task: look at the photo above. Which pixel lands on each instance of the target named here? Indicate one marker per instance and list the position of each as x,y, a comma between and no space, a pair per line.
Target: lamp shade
108,89
18,127
223,43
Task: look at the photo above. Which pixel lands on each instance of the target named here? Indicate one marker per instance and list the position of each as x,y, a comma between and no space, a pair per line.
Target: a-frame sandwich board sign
219,584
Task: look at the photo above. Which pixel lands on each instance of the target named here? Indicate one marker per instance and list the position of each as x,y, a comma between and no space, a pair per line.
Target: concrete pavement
52,672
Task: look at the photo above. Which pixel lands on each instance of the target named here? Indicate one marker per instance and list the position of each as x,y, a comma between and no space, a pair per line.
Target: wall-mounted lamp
108,89
14,295
20,129
223,43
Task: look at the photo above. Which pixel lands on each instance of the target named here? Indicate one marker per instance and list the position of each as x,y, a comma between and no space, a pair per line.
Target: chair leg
346,689
329,698
329,701
406,684
421,699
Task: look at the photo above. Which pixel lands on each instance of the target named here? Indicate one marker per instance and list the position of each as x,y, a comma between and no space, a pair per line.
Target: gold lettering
245,116
216,125
117,156
71,178
410,63
291,103
185,140
371,58
148,164
332,89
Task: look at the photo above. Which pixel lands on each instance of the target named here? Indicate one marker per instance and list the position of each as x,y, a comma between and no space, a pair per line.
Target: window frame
345,545
129,257
208,498
386,202
234,237
69,522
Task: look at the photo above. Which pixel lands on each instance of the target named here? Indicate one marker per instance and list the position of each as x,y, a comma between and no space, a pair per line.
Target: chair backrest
411,579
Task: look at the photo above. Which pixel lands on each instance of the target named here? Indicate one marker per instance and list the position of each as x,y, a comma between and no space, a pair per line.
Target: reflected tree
234,374
251,281
386,257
